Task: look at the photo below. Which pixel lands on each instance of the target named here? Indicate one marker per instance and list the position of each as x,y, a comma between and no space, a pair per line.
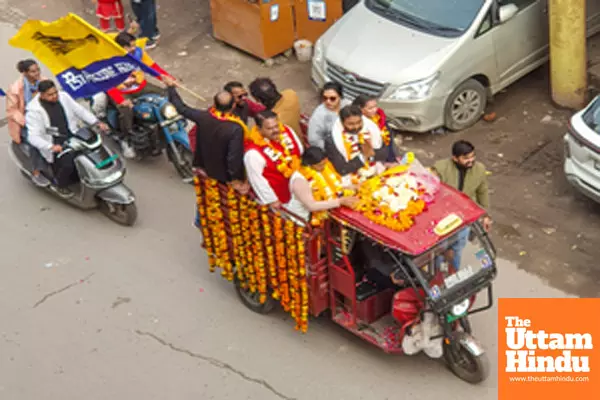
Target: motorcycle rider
54,109
133,87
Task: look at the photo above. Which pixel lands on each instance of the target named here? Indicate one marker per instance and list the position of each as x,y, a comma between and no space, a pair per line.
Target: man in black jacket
219,142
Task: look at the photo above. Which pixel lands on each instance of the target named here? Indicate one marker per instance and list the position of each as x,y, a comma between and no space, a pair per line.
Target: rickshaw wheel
251,300
467,366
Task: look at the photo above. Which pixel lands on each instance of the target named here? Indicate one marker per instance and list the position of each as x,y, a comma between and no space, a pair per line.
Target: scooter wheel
122,214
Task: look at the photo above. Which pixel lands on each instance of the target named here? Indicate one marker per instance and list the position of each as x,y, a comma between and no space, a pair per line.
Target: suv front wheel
465,105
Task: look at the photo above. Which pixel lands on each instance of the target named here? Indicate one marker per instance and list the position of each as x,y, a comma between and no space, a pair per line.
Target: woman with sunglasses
322,119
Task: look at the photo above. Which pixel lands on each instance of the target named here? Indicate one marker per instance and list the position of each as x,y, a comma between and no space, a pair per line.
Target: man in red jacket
134,86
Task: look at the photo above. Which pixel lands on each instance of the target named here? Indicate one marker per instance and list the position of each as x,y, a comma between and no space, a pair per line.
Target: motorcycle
157,126
100,171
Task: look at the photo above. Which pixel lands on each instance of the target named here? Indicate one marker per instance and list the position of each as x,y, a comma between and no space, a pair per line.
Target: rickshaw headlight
169,111
460,308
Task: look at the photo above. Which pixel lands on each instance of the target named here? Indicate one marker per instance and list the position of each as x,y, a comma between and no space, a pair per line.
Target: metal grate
352,83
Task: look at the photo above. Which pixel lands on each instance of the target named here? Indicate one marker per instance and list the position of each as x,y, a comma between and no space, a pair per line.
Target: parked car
582,150
435,63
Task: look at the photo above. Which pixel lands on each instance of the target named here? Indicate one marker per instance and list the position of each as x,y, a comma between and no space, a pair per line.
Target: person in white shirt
302,187
355,147
56,110
272,154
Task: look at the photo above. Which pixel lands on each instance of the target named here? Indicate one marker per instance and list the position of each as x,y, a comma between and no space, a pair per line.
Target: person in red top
272,155
107,10
370,109
134,86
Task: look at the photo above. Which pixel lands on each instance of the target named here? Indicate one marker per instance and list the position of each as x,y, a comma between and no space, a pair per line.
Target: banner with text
85,60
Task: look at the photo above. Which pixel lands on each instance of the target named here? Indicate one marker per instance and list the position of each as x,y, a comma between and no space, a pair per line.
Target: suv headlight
318,52
460,308
416,90
169,111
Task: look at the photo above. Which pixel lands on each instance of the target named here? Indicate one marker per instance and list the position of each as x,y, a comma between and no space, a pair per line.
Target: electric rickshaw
426,309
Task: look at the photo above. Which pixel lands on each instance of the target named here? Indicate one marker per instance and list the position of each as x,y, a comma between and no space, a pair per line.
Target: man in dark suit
219,142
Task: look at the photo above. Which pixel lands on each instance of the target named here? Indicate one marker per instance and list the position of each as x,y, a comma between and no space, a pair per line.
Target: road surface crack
51,294
217,363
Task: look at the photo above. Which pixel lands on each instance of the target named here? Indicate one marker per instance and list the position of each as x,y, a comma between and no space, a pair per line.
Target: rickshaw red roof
420,237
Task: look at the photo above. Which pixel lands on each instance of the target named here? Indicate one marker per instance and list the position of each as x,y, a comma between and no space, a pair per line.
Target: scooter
157,126
100,171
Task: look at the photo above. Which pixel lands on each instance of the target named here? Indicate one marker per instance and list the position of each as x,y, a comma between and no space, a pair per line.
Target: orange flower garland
268,252
287,163
259,257
217,227
231,118
214,215
271,262
302,279
208,244
325,185
352,144
281,263
292,262
248,264
236,232
381,214
385,133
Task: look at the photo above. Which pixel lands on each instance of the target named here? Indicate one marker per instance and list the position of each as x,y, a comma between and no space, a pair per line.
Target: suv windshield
450,18
437,267
592,116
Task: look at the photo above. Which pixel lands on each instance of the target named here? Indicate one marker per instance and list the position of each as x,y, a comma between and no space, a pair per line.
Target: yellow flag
84,59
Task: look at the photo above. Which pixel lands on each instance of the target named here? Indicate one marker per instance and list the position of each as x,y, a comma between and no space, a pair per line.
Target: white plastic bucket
303,49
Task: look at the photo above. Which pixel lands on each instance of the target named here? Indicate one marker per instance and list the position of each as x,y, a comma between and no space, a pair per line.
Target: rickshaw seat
365,290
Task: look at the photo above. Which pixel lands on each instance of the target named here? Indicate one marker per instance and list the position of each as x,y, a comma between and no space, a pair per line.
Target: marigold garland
214,216
270,249
248,265
287,163
259,257
385,132
200,202
221,116
325,185
236,232
302,279
352,144
292,262
281,263
381,214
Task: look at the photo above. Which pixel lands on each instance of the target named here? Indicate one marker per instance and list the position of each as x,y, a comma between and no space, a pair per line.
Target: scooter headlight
460,308
169,111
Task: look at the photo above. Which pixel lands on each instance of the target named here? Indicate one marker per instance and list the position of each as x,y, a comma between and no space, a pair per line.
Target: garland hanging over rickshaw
265,253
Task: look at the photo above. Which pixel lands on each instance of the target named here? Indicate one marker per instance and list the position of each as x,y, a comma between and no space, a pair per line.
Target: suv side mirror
506,12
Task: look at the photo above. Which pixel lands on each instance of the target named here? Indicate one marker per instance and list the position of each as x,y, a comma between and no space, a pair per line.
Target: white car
582,150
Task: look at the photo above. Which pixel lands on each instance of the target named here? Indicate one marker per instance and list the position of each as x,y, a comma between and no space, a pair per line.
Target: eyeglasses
330,98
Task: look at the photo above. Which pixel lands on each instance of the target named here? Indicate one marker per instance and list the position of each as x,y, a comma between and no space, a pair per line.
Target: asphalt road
89,309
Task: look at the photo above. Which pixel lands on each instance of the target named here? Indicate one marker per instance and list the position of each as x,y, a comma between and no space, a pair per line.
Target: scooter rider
54,109
134,86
